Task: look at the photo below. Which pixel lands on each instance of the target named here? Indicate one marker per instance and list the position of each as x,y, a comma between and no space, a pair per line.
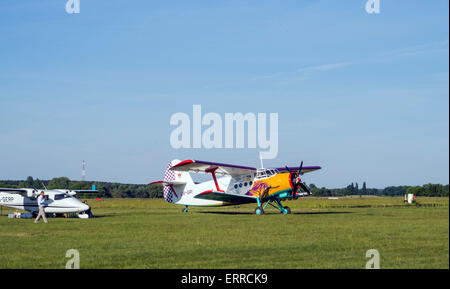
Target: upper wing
226,198
207,167
304,169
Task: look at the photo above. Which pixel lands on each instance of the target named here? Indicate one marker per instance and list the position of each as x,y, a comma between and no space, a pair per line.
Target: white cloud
428,48
325,67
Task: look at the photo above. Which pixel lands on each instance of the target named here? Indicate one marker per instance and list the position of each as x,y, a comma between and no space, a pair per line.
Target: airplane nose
84,207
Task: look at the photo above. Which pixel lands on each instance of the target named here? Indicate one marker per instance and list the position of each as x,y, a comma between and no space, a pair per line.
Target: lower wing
226,198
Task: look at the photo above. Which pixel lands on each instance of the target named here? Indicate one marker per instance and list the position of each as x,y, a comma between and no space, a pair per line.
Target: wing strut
212,171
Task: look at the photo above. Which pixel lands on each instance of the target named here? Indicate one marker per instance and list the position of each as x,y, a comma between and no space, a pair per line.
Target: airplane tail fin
179,180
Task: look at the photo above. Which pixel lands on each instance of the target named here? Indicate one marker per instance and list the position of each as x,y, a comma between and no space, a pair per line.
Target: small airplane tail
175,182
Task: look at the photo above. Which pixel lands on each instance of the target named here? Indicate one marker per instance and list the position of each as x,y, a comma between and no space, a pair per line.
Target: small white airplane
57,201
239,185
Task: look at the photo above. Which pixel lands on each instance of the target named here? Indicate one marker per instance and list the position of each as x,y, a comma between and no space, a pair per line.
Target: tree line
105,189
428,190
118,190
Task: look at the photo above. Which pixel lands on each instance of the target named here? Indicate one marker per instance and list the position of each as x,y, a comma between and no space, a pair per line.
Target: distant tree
80,186
416,190
364,189
29,182
59,183
395,191
155,192
115,193
38,184
5,185
142,192
433,190
350,189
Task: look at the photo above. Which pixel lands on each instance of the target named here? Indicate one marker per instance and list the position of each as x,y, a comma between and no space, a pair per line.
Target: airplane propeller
296,181
305,188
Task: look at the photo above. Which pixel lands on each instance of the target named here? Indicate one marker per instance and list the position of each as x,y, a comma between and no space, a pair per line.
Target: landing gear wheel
286,211
184,210
259,211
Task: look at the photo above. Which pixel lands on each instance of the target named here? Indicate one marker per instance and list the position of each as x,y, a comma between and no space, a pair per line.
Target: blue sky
364,96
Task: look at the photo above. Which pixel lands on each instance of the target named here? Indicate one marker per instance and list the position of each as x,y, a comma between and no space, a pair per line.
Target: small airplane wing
84,191
166,183
304,169
207,167
226,198
74,192
10,190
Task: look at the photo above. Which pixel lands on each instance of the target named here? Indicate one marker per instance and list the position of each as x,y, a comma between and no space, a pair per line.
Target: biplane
233,185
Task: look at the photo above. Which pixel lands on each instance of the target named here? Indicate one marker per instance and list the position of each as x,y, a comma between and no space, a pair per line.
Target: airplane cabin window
61,196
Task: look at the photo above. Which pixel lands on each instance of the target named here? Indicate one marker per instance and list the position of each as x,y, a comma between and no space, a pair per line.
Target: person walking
41,204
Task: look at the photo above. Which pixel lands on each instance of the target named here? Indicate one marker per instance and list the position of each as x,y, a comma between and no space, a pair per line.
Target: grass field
321,233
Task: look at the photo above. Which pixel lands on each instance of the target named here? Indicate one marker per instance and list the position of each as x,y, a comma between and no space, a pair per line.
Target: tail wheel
184,210
259,211
286,211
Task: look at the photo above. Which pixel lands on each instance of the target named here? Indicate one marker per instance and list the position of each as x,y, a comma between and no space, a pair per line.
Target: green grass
321,233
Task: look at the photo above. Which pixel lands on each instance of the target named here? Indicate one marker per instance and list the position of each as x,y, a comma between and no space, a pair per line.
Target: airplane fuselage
56,202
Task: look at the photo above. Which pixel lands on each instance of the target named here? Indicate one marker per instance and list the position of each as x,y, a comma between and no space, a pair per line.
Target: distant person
41,204
88,212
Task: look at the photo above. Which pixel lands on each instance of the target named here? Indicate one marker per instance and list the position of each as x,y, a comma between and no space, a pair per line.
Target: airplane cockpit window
261,174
